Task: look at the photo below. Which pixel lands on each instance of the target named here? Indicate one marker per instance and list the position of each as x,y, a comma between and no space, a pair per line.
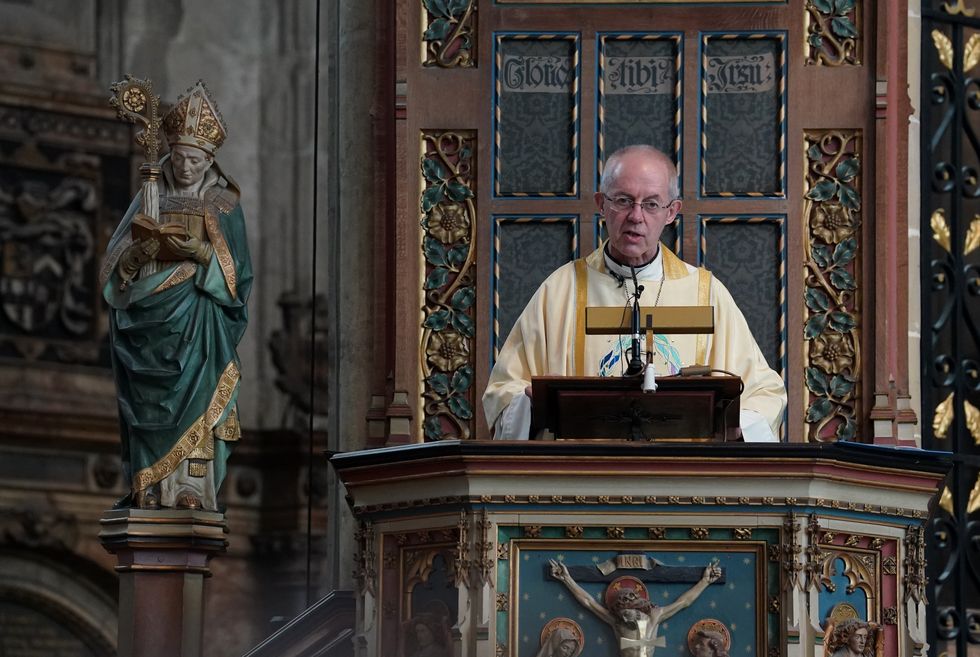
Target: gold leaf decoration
946,501
972,421
972,234
943,418
940,231
971,54
957,7
974,502
944,47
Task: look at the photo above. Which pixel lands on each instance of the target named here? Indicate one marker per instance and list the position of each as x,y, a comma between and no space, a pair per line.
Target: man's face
634,233
858,639
189,165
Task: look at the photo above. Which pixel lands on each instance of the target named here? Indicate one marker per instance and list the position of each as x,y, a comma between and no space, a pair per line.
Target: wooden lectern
684,408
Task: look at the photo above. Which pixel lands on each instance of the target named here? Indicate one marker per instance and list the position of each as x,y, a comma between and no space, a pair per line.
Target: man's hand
190,249
712,573
559,571
527,391
134,257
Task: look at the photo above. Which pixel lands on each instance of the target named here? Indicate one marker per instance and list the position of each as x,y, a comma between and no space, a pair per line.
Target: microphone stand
636,363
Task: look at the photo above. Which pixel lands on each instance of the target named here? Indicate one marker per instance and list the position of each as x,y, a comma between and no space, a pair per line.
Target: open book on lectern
696,408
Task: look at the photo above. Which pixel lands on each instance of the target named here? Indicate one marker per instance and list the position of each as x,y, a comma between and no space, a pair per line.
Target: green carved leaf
463,324
814,326
462,379
814,153
465,153
459,191
437,7
818,410
463,298
431,197
842,322
433,171
437,320
847,429
842,7
822,191
823,6
433,428
460,408
821,255
439,383
457,255
816,381
457,7
435,251
841,386
816,300
436,278
816,41
849,197
847,169
845,251
438,30
842,280
843,27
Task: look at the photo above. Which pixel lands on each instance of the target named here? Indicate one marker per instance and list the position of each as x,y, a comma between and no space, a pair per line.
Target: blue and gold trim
574,40
603,39
704,221
496,225
706,39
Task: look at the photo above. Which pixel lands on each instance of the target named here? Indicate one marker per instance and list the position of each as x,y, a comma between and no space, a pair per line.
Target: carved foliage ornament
832,219
449,39
448,222
833,32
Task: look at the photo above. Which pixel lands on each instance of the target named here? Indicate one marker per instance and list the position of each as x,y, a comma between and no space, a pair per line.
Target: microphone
636,364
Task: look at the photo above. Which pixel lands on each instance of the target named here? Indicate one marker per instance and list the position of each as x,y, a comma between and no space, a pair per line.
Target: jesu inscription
740,74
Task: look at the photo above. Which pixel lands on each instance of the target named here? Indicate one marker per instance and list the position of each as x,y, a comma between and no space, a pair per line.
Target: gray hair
611,169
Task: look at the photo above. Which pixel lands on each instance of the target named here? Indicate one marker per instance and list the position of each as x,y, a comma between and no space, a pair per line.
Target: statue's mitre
195,121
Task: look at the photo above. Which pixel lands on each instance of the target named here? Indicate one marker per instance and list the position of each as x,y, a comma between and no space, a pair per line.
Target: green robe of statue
174,334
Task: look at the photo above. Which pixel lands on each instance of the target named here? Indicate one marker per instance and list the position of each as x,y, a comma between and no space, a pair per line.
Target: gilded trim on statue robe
197,434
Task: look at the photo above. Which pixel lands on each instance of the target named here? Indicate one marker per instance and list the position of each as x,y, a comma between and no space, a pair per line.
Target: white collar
652,271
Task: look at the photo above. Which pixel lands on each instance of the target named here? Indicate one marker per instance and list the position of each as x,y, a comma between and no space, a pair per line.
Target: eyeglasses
626,203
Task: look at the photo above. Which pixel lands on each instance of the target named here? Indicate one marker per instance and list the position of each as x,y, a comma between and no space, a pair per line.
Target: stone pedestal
163,560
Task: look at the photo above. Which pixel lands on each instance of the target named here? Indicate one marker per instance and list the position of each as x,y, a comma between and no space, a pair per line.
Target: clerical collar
652,271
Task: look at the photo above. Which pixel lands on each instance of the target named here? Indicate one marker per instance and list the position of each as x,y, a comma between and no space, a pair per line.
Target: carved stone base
163,560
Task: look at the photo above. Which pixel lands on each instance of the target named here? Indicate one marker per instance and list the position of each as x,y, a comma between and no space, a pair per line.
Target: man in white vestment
637,197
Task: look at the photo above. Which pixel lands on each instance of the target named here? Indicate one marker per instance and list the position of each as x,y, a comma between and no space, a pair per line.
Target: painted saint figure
177,288
633,618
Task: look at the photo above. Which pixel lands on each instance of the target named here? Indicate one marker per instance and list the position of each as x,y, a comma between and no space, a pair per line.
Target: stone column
162,562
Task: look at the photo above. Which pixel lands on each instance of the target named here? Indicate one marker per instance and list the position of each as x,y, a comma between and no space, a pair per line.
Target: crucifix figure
632,617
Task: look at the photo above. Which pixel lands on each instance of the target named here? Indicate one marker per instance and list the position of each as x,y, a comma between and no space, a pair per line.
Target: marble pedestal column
162,562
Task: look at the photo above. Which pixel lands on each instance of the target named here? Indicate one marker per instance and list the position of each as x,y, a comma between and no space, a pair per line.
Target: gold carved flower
832,222
449,222
448,351
832,352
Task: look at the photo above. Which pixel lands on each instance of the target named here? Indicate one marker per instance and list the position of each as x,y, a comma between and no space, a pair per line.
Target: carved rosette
833,32
448,222
449,33
832,216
